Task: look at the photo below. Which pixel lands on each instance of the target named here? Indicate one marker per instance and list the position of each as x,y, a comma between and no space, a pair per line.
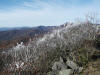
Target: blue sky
19,13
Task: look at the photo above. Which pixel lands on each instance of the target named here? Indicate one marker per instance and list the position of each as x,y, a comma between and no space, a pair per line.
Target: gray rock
68,68
60,65
74,66
66,72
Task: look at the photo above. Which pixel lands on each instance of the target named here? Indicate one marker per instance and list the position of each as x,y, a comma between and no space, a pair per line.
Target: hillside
9,37
67,50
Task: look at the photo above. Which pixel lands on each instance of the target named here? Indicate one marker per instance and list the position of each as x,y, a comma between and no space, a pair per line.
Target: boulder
72,65
66,72
68,68
60,65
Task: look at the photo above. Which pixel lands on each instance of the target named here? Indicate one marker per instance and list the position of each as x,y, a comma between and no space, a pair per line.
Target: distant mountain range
10,36
5,29
13,28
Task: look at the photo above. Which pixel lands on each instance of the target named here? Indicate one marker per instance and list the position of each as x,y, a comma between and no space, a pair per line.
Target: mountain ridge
17,35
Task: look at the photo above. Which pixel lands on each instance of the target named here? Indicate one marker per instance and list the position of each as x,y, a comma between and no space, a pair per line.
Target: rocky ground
93,68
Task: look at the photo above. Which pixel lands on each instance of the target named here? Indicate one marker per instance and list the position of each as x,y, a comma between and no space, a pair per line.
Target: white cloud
44,13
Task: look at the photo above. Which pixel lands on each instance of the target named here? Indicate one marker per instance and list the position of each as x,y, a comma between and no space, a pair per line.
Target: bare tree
91,18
